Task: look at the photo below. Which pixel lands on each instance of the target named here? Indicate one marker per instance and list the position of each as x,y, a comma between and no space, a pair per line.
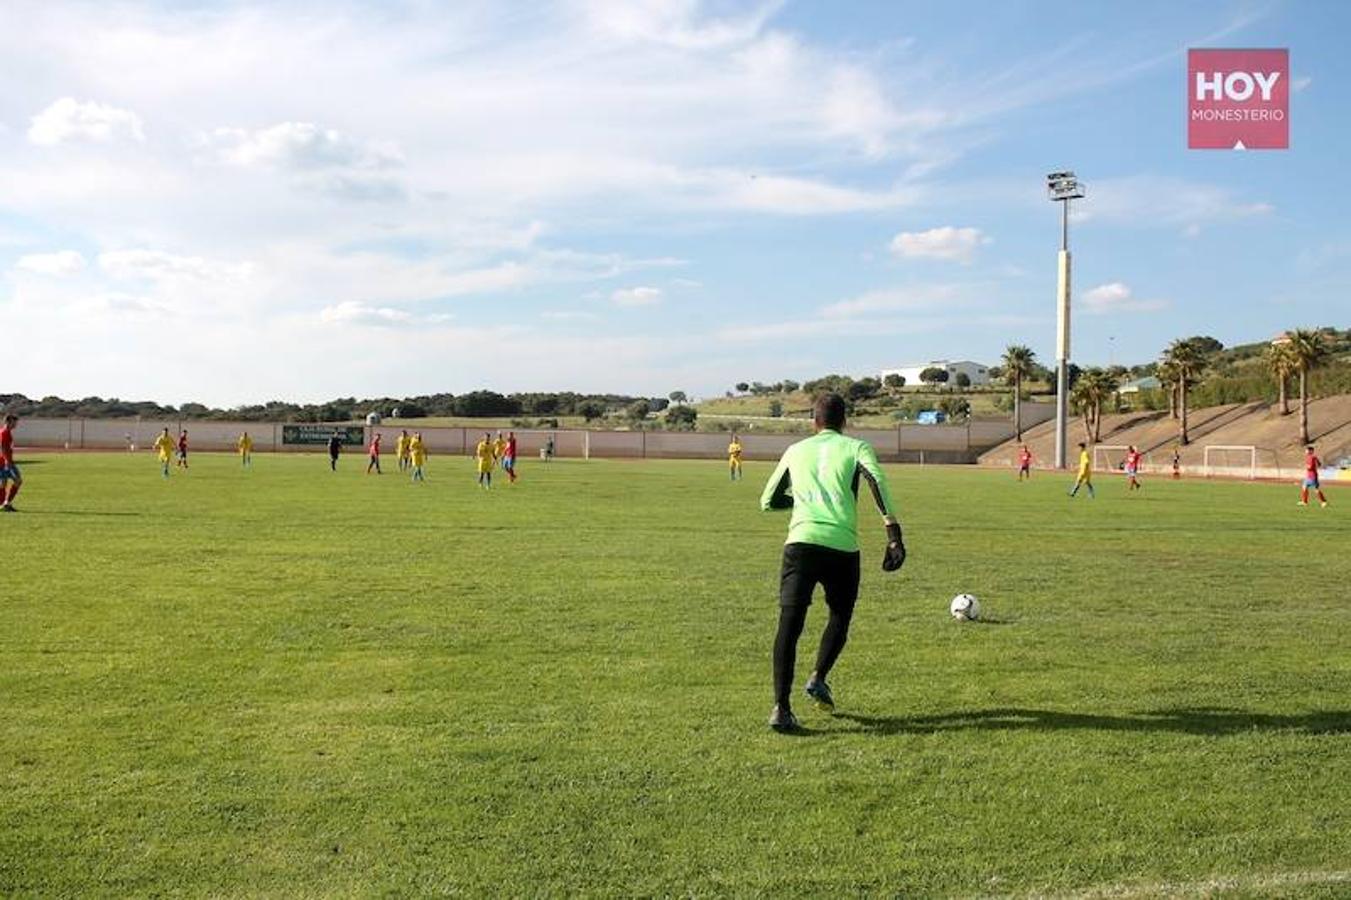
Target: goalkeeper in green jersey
819,478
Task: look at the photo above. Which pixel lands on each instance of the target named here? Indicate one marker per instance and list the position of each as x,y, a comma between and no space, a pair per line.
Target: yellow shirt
484,454
499,447
402,447
417,451
734,451
165,445
1085,464
245,443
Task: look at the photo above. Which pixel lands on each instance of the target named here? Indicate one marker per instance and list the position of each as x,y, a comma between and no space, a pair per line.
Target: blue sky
237,202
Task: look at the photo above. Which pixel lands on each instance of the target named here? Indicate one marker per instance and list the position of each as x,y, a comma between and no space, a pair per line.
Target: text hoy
1236,86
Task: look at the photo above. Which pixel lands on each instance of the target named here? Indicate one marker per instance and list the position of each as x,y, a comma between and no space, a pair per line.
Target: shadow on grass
993,620
1181,721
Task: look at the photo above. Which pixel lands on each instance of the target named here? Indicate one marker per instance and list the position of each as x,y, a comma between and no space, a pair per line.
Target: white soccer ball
965,607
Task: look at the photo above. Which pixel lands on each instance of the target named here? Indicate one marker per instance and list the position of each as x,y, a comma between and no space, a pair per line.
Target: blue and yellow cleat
819,691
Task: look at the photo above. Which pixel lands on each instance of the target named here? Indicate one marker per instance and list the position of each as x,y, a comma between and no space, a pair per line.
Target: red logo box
1238,99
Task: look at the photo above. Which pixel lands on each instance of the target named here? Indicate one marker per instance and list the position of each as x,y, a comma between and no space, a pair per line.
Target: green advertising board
352,435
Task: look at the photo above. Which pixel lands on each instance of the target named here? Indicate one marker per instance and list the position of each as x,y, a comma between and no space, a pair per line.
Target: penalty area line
1202,887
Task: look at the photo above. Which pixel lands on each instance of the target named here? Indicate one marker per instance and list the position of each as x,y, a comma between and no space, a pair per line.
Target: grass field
290,682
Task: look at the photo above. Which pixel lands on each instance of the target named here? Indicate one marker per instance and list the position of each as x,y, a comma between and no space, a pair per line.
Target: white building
978,373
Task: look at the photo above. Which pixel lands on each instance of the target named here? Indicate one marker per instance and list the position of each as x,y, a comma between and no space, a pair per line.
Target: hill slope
1257,424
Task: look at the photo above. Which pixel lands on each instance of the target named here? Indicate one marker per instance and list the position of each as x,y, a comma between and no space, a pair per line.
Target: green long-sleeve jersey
819,479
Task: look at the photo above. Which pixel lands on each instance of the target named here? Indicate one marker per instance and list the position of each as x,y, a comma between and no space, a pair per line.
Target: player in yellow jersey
734,450
1085,478
401,451
417,456
164,447
483,456
245,445
499,448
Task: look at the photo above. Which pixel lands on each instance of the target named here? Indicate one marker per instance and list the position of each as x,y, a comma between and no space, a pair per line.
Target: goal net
1232,460
1110,457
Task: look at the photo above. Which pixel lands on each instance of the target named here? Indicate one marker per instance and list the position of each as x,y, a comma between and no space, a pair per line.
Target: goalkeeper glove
894,557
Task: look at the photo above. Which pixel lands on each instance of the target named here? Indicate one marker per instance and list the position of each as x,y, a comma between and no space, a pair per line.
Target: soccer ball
965,607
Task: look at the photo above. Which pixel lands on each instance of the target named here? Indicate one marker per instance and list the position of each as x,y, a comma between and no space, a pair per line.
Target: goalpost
1113,462
1230,459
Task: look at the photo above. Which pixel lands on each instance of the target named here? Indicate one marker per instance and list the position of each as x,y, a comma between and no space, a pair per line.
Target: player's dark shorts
807,565
9,473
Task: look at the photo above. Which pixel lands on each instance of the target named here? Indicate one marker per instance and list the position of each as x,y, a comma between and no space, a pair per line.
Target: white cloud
157,265
788,195
1299,84
61,262
300,146
946,243
901,310
352,312
71,120
1145,201
123,305
846,327
637,296
902,299
1117,297
856,107
568,315
379,157
676,23
322,160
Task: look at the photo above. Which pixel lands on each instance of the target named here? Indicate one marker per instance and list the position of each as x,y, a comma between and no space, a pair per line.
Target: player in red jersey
509,457
1311,466
1132,467
10,479
374,463
182,449
1024,463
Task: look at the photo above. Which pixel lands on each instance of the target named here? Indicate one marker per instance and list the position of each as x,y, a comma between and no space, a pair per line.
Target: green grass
290,682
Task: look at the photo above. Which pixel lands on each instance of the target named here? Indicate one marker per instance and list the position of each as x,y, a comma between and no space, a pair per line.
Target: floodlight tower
1062,188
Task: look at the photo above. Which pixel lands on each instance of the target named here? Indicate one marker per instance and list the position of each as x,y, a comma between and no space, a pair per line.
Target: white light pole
1063,187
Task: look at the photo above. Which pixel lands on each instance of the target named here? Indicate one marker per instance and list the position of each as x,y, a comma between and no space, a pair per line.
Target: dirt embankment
1156,434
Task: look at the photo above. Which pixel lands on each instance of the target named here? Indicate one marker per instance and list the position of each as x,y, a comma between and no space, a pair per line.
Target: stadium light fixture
1062,187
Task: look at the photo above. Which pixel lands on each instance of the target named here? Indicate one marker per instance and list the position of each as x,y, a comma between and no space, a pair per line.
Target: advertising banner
1238,99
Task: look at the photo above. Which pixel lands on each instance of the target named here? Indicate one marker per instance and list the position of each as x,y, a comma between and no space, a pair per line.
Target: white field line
1206,887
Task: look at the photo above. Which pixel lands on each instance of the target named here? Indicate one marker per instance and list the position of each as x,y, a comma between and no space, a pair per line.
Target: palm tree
1307,350
1018,362
1105,384
1282,365
1189,362
1093,388
1081,401
1166,372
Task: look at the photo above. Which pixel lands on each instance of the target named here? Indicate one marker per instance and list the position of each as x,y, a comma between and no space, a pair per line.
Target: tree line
474,404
